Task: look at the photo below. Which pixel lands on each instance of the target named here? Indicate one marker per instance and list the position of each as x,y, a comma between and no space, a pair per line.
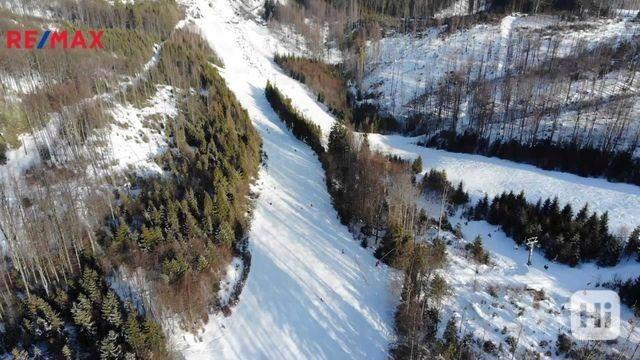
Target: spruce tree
450,335
633,243
110,348
111,310
82,314
90,284
133,334
416,167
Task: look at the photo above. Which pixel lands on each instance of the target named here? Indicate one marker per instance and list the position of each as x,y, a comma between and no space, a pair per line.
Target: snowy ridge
312,291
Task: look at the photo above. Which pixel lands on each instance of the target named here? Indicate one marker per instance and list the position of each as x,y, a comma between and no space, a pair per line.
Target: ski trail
481,174
304,298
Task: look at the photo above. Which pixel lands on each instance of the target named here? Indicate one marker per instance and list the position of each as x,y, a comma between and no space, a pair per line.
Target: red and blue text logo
58,39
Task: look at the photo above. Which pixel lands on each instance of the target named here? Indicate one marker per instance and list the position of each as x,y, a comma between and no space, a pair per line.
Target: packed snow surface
481,174
312,291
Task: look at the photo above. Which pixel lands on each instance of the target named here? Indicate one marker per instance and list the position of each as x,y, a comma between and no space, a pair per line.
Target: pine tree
110,349
224,235
633,243
122,233
90,284
111,310
82,313
611,250
154,337
41,320
450,335
208,213
416,167
149,238
133,334
67,353
339,143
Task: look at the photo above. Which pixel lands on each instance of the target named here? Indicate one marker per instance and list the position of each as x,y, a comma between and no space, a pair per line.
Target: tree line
80,319
617,166
563,236
183,226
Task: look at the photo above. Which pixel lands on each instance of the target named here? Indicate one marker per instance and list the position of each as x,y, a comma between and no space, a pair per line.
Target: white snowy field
481,174
312,291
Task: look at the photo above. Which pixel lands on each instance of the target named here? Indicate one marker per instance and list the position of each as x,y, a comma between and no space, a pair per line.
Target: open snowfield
481,174
304,298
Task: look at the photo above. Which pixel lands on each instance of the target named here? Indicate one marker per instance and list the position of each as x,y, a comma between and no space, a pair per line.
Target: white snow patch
233,274
134,144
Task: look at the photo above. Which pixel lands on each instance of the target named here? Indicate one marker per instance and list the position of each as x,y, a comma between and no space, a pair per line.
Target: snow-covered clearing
514,304
481,174
304,298
136,138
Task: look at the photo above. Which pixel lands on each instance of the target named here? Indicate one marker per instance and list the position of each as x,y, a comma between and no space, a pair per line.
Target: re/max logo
36,39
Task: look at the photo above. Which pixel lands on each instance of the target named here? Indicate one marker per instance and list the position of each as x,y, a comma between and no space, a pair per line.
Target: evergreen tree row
302,128
581,160
563,236
629,292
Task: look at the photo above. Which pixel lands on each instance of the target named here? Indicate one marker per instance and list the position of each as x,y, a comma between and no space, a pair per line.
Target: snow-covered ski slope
481,174
312,291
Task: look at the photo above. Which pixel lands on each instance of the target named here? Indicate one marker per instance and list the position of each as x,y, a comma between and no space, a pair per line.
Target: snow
303,298
514,306
233,276
458,8
481,174
401,66
133,141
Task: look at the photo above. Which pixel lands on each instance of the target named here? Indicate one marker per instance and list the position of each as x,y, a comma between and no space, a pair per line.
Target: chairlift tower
531,243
